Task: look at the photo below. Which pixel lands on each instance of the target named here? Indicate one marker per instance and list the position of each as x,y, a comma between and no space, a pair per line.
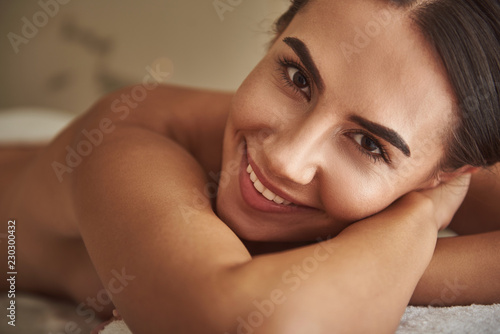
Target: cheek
248,100
352,194
259,103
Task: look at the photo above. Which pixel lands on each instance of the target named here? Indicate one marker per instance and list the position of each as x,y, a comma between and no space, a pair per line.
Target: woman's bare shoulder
194,118
163,104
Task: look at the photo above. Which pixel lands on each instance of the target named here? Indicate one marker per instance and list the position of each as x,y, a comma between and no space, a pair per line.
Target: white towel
473,319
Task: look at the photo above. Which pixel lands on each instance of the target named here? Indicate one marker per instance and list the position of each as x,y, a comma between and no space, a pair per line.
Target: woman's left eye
371,147
299,80
367,143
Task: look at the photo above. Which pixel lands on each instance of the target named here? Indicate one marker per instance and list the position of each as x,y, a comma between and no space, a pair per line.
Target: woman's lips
267,198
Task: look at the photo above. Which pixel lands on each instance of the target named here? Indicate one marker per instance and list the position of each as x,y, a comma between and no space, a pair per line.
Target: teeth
278,200
253,177
269,194
259,186
263,190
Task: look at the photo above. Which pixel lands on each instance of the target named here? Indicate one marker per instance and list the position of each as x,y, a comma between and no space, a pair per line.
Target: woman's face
344,115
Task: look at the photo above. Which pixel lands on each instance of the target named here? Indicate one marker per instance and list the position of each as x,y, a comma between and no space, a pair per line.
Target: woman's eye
299,80
367,143
370,147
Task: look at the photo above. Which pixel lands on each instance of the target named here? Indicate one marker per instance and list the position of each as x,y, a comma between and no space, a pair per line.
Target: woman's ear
444,177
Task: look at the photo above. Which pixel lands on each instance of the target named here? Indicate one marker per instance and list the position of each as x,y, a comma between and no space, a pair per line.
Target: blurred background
65,54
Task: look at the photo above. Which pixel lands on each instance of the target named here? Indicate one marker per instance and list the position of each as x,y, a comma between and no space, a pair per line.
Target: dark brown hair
465,34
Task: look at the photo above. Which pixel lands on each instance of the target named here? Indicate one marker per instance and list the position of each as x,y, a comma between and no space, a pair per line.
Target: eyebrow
383,132
303,53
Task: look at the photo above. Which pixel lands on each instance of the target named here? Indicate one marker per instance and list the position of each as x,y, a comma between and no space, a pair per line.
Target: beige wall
90,47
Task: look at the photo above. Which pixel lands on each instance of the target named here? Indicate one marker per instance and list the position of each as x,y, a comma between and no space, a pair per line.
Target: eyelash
375,157
284,63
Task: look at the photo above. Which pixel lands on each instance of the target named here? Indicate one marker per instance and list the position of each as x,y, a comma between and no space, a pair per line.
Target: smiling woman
335,141
370,155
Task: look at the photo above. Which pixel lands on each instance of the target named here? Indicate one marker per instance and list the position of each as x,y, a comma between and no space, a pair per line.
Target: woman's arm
466,269
357,282
194,276
139,210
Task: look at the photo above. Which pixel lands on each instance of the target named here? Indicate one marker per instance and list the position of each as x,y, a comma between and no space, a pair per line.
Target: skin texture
137,204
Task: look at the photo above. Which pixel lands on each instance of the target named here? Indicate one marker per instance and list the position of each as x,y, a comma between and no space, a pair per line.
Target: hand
447,198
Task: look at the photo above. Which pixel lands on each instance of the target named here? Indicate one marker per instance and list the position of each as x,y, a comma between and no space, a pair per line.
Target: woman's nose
295,153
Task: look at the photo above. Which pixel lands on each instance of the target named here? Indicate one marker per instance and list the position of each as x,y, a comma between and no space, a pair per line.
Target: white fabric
116,327
25,124
473,319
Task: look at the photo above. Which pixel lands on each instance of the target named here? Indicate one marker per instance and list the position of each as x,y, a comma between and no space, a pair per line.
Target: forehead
376,63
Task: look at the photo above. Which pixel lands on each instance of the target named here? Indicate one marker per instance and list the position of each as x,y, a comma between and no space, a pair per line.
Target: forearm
368,272
463,270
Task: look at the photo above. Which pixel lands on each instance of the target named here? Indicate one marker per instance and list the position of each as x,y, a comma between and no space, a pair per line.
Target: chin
251,230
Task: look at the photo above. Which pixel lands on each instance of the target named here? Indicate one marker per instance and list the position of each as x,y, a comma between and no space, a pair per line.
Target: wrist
422,211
